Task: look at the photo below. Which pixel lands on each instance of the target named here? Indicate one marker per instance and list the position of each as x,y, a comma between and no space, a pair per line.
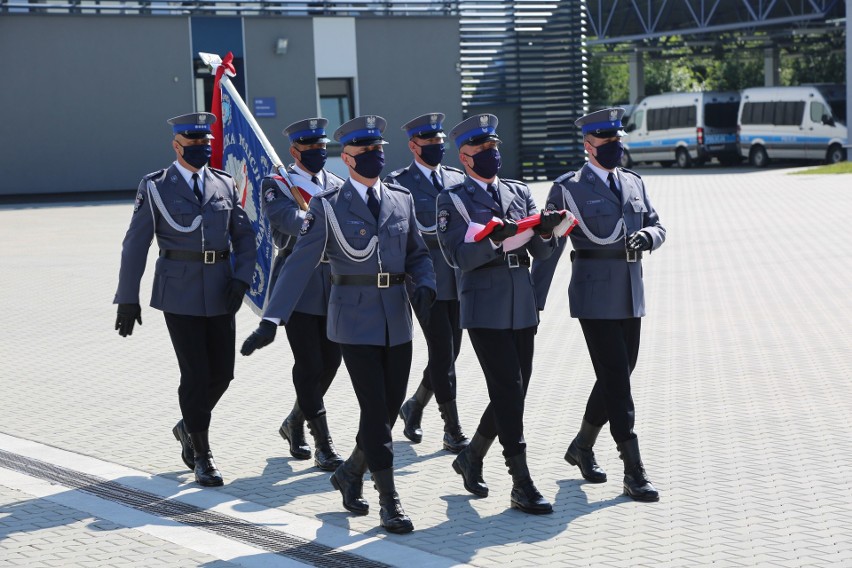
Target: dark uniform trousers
614,348
506,356
380,378
315,360
439,375
205,351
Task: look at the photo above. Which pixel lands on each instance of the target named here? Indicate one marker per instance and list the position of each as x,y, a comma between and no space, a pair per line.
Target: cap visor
476,140
366,142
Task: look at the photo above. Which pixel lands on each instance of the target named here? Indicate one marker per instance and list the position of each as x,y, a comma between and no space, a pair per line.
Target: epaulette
454,187
397,187
152,175
218,171
630,172
452,169
564,177
507,180
334,175
327,192
396,173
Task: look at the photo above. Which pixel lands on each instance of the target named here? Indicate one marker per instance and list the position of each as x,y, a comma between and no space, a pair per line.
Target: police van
683,128
802,123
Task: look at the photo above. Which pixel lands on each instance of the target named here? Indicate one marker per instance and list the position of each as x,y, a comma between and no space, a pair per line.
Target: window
817,111
786,113
675,117
336,101
721,115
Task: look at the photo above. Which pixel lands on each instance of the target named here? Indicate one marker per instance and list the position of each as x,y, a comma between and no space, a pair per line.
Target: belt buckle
512,260
210,257
632,255
383,281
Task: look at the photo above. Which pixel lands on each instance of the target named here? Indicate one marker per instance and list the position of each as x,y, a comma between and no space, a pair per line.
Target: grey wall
85,99
404,72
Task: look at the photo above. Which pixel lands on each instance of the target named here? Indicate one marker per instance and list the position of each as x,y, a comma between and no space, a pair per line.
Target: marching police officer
425,177
617,223
498,307
195,214
368,230
315,357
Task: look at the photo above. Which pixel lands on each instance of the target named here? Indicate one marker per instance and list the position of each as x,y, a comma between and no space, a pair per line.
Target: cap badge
613,114
371,122
433,120
202,118
483,120
313,124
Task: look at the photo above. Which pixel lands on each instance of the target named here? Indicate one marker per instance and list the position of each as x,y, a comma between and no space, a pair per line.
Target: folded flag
476,231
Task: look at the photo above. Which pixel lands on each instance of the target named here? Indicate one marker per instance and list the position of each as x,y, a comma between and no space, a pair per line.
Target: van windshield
721,115
838,109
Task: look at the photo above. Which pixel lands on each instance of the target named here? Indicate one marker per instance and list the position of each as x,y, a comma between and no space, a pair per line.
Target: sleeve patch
551,206
269,195
443,220
307,223
140,199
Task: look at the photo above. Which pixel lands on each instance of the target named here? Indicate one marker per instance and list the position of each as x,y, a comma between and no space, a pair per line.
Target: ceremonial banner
245,156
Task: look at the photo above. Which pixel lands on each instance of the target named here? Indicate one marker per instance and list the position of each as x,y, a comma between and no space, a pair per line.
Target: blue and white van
683,128
800,123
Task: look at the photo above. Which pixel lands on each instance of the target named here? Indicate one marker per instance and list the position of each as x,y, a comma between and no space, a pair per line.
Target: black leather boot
325,456
580,453
293,430
206,473
412,412
393,518
637,486
468,464
525,496
454,439
187,453
349,480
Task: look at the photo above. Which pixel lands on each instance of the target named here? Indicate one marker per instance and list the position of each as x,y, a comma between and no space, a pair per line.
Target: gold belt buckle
210,257
383,280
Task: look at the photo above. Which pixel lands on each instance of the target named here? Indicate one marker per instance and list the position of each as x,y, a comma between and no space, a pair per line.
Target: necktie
612,187
315,180
492,190
435,181
195,189
372,202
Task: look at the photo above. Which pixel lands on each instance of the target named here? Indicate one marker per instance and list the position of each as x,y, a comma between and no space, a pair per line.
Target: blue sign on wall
264,107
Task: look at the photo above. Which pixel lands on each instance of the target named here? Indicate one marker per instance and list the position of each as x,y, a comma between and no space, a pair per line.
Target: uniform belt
510,259
207,256
609,254
380,280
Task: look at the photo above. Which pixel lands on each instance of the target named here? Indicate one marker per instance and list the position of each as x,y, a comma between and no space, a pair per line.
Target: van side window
817,111
779,113
674,117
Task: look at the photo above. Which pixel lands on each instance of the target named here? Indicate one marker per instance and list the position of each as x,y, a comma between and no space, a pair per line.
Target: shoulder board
564,177
334,176
396,187
452,169
630,172
398,172
507,180
152,175
327,192
455,187
218,171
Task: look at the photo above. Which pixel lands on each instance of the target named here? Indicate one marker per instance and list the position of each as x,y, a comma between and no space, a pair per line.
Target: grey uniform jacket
285,218
601,288
358,315
187,287
494,296
425,195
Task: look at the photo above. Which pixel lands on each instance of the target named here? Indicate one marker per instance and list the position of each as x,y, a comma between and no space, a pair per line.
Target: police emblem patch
307,223
443,220
551,207
313,124
269,195
140,199
371,122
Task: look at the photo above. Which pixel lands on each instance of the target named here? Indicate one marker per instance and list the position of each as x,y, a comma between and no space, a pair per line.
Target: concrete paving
743,394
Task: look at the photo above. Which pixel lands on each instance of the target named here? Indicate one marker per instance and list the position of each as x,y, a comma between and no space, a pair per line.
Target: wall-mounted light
281,46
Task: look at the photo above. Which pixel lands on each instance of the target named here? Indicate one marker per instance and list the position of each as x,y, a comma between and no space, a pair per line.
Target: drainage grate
230,527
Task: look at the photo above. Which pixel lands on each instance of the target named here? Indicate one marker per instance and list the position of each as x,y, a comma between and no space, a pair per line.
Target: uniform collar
187,175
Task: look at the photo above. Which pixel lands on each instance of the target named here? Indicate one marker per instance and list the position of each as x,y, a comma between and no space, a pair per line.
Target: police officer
425,177
315,357
617,224
498,307
368,230
195,214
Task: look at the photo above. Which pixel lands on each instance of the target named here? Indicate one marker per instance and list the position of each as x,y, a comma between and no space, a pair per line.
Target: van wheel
758,157
683,159
626,160
835,154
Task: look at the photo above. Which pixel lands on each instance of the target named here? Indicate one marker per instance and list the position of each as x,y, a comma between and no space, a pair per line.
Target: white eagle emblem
613,114
313,124
433,120
371,122
202,118
483,120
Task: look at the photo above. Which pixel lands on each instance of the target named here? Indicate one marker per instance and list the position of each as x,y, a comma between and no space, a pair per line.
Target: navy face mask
432,154
486,163
313,159
609,155
369,164
197,156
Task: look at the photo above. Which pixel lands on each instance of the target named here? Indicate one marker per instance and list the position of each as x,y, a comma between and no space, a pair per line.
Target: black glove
422,300
508,229
548,221
236,290
259,338
127,315
640,240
